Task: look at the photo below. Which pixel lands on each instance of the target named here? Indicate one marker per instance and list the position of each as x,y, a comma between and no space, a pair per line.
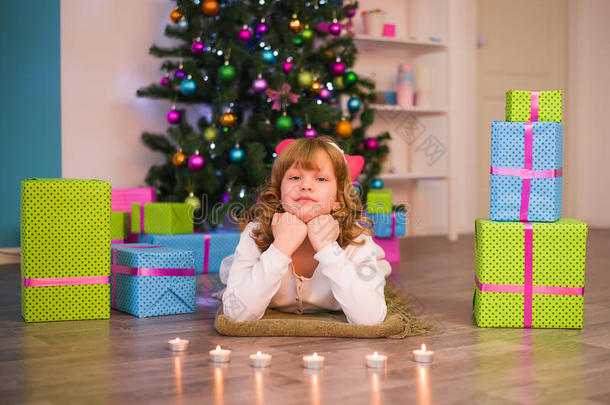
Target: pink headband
355,163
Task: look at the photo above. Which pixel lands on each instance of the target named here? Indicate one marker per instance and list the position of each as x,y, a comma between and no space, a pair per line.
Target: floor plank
124,359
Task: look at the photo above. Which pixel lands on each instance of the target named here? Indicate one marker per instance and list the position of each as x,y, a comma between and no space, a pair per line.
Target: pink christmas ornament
371,143
335,28
197,47
338,68
259,85
196,162
173,116
310,132
287,66
245,35
325,94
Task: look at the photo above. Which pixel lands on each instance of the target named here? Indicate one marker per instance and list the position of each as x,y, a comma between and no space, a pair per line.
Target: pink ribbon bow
276,96
354,163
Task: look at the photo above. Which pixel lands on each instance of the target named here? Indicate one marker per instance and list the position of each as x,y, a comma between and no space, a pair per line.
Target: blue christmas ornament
353,104
188,87
237,155
183,24
268,57
377,184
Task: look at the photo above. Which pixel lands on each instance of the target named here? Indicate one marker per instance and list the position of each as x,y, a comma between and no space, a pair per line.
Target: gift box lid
146,255
508,149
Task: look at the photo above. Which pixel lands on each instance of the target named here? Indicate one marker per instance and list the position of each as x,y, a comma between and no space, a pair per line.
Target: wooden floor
125,360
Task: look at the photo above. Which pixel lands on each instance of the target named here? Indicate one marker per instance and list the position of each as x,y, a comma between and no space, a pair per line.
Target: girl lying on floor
302,248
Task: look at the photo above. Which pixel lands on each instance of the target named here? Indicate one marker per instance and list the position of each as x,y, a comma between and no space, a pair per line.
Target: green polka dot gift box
379,201
164,218
529,274
533,105
119,226
65,240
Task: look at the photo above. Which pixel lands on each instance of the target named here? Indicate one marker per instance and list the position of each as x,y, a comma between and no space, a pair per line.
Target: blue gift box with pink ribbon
388,225
208,248
526,171
151,280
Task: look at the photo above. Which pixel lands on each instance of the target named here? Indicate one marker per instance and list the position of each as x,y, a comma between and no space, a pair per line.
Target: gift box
119,226
533,105
387,225
161,218
529,274
122,198
65,239
150,280
209,248
526,171
379,201
391,248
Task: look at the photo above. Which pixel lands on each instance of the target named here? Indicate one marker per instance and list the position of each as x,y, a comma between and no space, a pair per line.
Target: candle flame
258,353
218,347
315,355
423,347
375,354
177,339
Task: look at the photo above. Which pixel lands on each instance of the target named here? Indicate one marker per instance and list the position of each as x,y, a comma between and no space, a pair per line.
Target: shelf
411,176
400,41
417,110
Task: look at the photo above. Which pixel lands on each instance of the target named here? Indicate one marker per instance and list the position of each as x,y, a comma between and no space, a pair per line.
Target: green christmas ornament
350,79
210,134
338,83
298,41
307,34
284,123
305,79
226,73
193,201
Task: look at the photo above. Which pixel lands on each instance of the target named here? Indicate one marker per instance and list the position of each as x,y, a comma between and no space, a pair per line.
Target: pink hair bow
276,96
355,162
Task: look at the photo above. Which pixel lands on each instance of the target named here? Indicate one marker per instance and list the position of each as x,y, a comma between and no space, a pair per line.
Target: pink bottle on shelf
405,88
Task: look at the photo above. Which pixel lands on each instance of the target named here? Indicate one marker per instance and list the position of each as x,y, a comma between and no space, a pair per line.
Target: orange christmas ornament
343,128
175,15
179,158
210,7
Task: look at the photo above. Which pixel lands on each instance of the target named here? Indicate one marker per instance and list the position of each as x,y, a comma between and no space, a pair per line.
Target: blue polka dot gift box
65,237
209,248
529,274
150,280
526,171
388,225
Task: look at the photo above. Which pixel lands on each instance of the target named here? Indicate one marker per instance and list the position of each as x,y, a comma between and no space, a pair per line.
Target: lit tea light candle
260,359
313,362
178,345
423,355
376,360
219,355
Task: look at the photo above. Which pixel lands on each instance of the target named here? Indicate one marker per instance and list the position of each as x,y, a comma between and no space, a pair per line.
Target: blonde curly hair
302,152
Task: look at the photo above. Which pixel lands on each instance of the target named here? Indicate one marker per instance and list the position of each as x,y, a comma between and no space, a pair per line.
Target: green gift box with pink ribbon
166,218
65,240
529,274
525,105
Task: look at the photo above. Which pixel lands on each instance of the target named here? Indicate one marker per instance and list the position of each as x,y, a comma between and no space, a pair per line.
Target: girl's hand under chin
322,231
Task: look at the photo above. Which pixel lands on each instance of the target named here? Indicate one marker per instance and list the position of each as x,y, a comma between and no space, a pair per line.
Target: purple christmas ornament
287,66
322,26
225,196
165,81
197,47
196,162
173,116
259,85
335,28
325,94
338,68
310,132
179,74
371,143
245,35
261,28
351,12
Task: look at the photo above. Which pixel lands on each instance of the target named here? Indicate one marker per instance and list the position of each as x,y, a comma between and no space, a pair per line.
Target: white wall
587,107
104,58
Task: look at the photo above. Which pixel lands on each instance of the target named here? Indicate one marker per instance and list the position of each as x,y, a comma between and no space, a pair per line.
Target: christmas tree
266,70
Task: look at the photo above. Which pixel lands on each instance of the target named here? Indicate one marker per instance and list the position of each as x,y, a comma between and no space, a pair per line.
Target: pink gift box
122,198
389,30
391,248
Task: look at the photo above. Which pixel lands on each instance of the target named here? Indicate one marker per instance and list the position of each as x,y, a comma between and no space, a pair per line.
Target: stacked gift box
388,225
121,202
529,262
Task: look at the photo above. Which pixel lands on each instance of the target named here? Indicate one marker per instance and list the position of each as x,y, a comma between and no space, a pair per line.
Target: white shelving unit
418,177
